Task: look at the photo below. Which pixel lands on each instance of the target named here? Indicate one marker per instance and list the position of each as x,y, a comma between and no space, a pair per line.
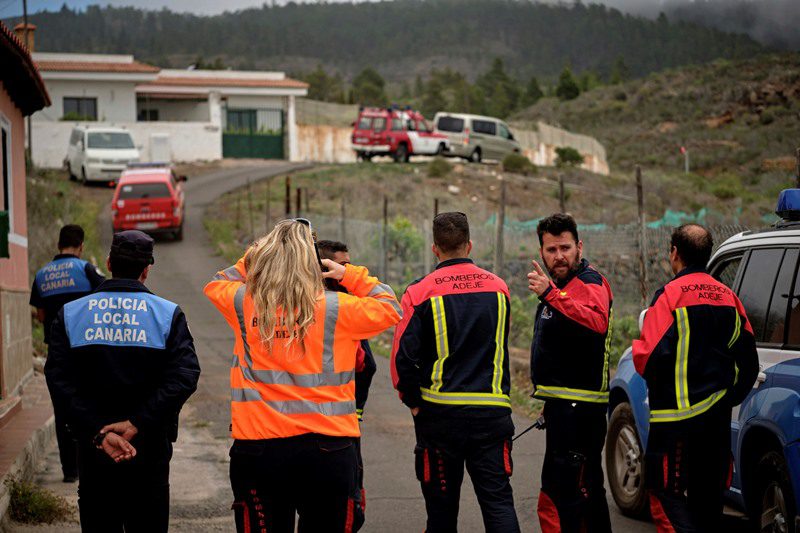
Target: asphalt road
201,496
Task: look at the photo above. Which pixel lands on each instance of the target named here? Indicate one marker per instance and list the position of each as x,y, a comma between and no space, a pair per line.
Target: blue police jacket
122,353
62,280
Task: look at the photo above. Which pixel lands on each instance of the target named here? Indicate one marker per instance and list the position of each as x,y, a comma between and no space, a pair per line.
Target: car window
110,140
726,271
140,191
504,133
757,284
484,126
774,330
411,125
451,124
364,123
397,124
76,135
422,126
378,124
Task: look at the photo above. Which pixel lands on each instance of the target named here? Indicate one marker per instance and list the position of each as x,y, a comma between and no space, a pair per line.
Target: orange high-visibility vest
281,392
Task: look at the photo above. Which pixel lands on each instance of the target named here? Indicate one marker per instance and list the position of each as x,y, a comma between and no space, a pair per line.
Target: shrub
766,118
31,504
568,156
727,186
518,164
438,168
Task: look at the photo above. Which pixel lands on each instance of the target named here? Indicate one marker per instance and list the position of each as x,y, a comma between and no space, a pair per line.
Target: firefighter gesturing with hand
569,370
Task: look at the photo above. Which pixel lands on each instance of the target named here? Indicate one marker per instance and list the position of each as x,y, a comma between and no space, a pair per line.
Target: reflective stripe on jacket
570,349
451,348
696,345
281,392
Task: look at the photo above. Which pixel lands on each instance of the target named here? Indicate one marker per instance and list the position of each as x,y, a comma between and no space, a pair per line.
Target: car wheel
475,156
776,511
401,154
625,463
440,150
178,235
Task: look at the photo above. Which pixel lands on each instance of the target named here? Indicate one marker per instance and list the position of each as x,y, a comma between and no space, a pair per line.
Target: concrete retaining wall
324,144
15,337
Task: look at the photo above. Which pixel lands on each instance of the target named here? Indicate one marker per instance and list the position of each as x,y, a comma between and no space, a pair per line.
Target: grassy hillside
739,120
400,38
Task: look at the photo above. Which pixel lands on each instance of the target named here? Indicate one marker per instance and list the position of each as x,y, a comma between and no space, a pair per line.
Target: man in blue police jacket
64,279
126,360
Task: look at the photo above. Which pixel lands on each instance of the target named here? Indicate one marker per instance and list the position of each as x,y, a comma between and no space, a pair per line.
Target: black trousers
573,497
67,446
314,476
444,447
132,496
689,466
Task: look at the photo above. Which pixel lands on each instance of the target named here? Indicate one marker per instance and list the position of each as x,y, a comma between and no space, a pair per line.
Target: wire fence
633,257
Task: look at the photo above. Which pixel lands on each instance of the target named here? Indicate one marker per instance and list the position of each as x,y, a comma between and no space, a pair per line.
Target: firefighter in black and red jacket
697,354
569,370
450,364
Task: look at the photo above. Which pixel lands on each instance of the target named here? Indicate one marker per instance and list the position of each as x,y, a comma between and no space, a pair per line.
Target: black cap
132,245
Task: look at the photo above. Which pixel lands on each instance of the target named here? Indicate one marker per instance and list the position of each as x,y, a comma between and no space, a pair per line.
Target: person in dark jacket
698,355
569,370
365,361
126,361
450,365
64,279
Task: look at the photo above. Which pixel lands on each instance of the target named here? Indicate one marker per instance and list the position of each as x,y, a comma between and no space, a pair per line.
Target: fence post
499,228
268,213
642,236
250,211
385,241
562,200
288,197
307,201
435,206
238,210
298,199
343,219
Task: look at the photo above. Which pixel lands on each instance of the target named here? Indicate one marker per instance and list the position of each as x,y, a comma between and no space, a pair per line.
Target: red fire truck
397,133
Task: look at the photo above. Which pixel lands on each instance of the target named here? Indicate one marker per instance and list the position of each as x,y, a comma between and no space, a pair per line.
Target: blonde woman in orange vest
293,409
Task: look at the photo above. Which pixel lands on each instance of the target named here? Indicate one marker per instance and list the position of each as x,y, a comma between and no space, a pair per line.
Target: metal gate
253,133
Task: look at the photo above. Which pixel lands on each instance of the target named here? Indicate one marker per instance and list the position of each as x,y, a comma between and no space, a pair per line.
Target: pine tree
567,88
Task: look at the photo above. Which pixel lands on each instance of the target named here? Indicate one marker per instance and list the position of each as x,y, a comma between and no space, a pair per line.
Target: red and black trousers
445,445
573,498
311,476
689,466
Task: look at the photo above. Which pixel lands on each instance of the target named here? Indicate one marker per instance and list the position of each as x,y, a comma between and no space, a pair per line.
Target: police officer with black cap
67,277
126,360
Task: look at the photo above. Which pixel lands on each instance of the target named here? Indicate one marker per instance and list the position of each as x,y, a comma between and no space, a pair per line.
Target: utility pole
642,240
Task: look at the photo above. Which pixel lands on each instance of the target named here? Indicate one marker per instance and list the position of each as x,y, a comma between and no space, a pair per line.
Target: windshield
136,191
110,140
452,124
364,123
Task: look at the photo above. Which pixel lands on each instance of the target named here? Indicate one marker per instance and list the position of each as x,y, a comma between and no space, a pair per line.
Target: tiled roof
19,74
286,83
80,66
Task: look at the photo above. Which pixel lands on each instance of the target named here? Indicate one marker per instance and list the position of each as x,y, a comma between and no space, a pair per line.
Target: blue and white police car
762,268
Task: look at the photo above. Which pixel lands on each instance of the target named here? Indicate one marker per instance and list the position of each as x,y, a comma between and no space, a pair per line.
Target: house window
147,115
80,108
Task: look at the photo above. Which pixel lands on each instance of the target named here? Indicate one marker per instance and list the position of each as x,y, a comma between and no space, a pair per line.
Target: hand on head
335,270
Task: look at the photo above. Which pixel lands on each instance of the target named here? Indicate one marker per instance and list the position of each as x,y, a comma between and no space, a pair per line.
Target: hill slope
401,38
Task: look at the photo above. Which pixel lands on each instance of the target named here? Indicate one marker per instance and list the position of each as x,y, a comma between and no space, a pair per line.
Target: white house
203,115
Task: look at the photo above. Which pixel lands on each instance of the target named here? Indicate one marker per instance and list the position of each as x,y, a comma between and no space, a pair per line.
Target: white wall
189,141
116,100
255,102
177,110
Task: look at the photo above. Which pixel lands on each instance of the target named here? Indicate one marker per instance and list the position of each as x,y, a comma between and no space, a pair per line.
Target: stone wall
15,340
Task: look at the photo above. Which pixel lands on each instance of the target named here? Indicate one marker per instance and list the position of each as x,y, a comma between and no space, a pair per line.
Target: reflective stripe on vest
229,274
382,288
564,393
63,276
328,377
675,415
296,407
131,319
466,398
682,359
499,352
737,329
442,346
607,354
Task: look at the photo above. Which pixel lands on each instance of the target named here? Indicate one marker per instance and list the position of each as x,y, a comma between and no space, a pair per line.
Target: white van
475,137
99,154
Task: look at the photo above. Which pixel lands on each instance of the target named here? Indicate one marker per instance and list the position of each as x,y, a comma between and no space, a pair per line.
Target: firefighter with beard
569,370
